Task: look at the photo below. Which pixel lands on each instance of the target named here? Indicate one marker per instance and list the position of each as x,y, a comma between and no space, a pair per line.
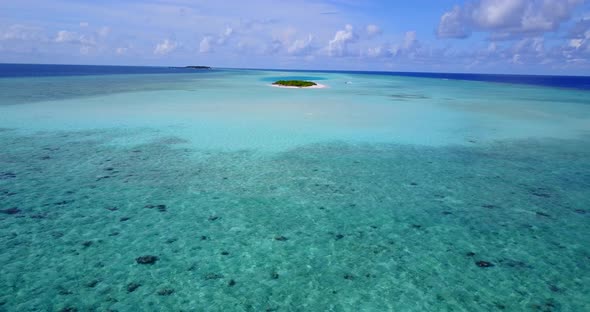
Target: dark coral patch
7,175
92,284
165,292
10,211
500,306
281,238
547,306
212,276
149,259
64,292
161,208
484,264
7,193
63,202
131,287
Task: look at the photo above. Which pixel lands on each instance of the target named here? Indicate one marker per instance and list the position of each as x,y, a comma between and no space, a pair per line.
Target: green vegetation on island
198,67
295,83
190,67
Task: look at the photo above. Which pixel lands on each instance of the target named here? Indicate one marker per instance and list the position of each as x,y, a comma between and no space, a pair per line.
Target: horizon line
309,70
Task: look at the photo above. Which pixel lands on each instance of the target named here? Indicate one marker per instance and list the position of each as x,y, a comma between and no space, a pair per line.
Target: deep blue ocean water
161,189
39,70
48,70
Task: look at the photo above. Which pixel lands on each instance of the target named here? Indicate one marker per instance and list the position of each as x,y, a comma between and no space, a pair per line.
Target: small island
198,67
297,84
191,67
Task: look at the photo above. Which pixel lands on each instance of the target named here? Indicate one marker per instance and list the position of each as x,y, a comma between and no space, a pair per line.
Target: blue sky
493,36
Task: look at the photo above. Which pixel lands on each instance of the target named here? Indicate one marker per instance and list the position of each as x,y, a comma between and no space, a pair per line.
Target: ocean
171,189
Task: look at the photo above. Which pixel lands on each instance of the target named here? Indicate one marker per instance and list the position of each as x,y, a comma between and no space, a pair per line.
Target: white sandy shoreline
317,86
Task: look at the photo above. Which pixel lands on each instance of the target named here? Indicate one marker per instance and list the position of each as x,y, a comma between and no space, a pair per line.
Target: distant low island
198,67
295,83
193,67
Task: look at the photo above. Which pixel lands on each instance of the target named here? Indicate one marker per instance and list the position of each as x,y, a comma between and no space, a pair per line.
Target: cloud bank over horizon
497,36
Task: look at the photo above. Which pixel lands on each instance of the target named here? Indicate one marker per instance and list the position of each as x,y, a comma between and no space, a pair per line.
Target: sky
475,36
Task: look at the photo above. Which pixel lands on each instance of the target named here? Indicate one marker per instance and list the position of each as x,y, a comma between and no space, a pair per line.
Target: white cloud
339,45
300,46
86,43
580,37
375,51
209,42
373,30
533,46
452,25
225,35
576,43
165,47
282,38
408,46
410,40
84,24
273,47
121,51
21,32
66,36
506,18
205,45
581,28
104,31
516,59
492,47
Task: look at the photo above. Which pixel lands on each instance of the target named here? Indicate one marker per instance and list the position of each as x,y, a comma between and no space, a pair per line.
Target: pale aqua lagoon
378,193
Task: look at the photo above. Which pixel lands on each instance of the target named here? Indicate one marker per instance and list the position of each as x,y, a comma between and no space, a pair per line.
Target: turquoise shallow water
381,194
